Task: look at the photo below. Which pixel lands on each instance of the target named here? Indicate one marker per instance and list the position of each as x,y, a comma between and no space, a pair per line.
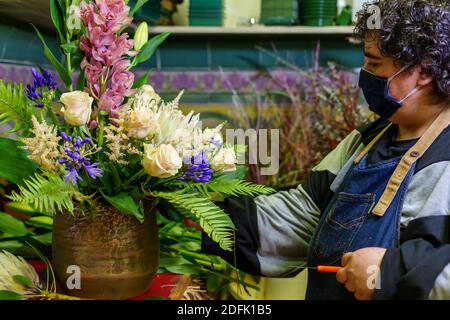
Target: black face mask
376,92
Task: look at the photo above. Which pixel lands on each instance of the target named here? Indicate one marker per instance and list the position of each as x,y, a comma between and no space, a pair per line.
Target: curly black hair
413,32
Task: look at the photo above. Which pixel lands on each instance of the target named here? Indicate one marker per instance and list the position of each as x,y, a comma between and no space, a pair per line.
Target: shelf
254,31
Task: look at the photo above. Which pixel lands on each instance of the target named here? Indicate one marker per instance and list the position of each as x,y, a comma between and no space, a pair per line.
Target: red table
166,285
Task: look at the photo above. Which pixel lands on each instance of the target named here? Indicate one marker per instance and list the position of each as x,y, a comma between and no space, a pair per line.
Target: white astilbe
43,146
118,144
148,118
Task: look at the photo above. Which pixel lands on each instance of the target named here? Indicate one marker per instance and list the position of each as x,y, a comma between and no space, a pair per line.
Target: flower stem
53,116
68,56
134,177
101,128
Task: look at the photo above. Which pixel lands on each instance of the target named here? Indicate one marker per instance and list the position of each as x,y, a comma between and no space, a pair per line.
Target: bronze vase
107,256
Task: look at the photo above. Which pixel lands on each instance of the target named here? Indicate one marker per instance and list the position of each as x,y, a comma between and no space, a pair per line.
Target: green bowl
318,22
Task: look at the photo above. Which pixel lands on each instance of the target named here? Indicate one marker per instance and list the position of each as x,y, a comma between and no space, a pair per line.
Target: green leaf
150,47
214,221
45,239
23,281
15,107
184,270
47,194
41,222
11,245
12,226
76,58
187,245
14,163
24,208
141,81
239,174
51,57
138,5
175,261
55,13
9,295
126,204
81,80
71,47
238,188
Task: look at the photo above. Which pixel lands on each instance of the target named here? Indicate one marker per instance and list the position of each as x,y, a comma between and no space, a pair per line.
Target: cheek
400,87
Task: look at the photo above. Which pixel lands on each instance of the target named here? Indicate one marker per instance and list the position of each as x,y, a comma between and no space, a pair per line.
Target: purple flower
284,80
260,83
199,170
43,85
93,171
72,176
184,81
236,81
209,81
75,160
157,80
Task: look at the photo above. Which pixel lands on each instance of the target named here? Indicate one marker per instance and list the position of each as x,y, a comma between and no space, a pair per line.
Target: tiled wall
20,45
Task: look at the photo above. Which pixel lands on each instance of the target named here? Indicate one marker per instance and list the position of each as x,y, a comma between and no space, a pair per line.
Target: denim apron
348,223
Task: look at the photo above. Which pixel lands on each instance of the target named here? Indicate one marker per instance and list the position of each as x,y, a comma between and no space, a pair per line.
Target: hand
358,270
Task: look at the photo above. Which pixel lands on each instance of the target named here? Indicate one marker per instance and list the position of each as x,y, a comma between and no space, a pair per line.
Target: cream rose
162,162
77,107
224,160
140,122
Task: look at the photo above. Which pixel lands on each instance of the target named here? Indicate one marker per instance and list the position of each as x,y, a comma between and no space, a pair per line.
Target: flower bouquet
101,152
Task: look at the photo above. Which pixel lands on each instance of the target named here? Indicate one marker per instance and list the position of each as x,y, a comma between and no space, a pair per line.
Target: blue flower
72,176
42,86
199,170
93,171
76,152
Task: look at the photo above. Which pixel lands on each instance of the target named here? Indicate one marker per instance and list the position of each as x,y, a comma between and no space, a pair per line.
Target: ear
423,79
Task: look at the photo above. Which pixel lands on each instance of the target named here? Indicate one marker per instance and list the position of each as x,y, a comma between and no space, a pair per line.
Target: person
379,204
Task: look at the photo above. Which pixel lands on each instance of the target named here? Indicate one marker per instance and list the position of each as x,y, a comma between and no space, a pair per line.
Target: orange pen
327,269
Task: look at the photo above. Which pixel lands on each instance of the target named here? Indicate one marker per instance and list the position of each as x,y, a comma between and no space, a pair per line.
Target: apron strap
371,144
408,160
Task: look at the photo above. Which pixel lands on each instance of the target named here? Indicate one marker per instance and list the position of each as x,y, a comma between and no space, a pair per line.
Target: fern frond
238,187
47,194
214,221
15,107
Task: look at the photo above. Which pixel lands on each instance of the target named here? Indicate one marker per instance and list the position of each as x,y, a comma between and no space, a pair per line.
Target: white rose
224,160
140,122
162,162
147,94
77,107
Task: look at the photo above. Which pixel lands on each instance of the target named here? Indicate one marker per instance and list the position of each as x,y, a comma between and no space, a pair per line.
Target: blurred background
263,64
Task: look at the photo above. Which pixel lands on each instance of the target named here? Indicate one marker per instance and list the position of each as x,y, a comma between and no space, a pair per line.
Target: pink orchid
123,45
99,38
106,60
114,14
122,82
86,47
93,71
